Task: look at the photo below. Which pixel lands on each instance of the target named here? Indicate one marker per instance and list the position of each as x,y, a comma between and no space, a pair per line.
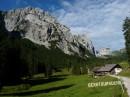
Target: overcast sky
100,20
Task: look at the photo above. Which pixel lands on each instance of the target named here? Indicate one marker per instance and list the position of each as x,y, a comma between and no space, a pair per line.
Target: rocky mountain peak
41,28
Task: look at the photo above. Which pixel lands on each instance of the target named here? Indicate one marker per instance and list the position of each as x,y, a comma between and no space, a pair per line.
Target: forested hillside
20,57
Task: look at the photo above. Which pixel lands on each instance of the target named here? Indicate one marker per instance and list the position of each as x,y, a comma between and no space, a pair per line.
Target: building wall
118,70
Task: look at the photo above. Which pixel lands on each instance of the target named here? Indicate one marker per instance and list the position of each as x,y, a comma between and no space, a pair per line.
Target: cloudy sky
100,20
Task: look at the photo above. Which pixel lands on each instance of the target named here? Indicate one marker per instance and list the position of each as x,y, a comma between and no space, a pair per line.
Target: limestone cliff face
41,28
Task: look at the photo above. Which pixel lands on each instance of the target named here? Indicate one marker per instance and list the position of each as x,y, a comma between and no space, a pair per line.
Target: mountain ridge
43,29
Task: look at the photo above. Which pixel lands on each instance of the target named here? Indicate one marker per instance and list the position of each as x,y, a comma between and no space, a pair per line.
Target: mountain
41,28
32,42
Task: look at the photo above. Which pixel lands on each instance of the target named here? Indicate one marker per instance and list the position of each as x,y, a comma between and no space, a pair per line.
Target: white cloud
100,19
66,4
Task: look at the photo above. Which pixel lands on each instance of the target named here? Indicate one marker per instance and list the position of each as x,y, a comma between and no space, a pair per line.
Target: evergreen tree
76,69
84,69
126,29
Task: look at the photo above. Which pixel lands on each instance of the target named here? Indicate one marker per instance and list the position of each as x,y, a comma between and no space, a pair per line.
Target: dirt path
126,82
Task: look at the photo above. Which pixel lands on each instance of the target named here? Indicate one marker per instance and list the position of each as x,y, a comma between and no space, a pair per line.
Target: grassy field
126,69
125,64
64,86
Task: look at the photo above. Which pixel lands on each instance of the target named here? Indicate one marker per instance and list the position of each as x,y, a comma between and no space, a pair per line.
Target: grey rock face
43,29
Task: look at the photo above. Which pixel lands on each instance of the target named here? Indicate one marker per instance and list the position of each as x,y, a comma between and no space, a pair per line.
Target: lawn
65,86
125,72
126,69
124,64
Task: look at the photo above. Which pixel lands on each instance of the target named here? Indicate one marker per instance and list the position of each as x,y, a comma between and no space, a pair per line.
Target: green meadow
126,69
64,85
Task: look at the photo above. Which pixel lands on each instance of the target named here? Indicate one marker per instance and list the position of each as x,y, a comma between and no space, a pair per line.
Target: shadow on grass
38,91
12,82
33,82
62,75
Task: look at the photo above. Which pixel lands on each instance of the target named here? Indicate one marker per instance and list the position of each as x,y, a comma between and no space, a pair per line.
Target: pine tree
76,70
126,29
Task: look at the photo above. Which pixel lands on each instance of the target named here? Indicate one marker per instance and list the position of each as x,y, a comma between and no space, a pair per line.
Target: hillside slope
41,28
